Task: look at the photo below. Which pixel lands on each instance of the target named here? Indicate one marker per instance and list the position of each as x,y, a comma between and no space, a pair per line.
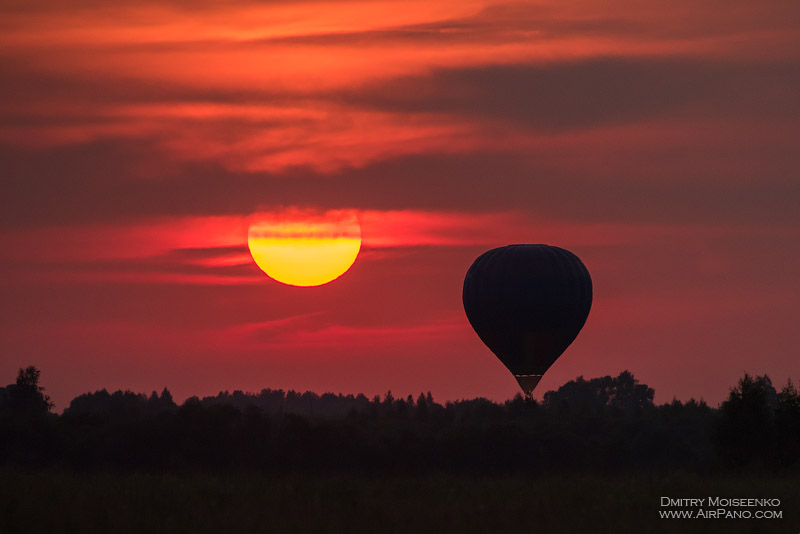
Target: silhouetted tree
628,394
605,424
745,430
26,396
623,393
421,412
27,433
787,425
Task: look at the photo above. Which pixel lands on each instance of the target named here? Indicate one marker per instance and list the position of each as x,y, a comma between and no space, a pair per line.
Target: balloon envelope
527,303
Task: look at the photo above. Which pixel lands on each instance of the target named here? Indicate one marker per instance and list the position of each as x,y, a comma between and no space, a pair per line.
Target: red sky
656,140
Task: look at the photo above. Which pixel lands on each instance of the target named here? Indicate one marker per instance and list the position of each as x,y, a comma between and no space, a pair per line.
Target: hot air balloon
527,303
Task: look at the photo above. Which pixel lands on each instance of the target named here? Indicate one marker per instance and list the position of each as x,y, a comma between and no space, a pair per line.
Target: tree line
606,424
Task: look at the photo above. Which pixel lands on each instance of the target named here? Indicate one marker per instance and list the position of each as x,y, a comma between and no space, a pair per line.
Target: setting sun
302,249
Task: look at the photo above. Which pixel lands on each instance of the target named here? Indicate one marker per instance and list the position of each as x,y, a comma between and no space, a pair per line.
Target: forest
598,426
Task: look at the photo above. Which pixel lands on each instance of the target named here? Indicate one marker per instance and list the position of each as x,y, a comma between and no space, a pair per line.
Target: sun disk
305,250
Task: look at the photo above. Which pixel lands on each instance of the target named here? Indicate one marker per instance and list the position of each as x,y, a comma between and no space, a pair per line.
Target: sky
658,141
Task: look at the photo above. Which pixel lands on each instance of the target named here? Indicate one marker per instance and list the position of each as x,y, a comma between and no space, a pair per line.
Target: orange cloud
257,87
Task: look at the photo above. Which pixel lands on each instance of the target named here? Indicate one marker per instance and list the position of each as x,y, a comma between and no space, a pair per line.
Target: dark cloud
741,179
102,291
24,83
124,270
546,97
200,253
98,182
584,94
493,25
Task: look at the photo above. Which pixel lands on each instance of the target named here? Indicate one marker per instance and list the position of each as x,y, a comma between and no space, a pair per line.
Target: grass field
56,502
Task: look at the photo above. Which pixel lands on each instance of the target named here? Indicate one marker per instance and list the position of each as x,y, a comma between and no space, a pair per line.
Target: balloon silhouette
527,303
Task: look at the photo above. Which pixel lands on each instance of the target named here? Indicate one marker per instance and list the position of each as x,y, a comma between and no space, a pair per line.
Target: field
137,503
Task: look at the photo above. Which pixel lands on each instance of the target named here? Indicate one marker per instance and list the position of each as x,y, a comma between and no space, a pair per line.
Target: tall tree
746,424
26,396
787,424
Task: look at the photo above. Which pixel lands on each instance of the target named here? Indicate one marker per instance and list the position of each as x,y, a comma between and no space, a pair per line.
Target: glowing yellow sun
302,249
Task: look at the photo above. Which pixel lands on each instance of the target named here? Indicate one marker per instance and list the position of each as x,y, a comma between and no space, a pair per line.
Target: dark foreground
49,501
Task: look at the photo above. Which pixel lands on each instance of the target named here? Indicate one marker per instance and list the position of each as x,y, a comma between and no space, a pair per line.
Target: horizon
536,396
